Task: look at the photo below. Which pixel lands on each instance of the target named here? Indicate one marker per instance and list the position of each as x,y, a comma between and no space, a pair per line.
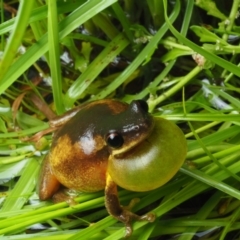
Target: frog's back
79,155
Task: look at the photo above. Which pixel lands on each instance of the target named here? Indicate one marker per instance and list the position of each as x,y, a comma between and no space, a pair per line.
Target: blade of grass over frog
54,56
23,188
142,56
175,88
98,64
208,55
16,36
40,13
71,22
211,181
203,117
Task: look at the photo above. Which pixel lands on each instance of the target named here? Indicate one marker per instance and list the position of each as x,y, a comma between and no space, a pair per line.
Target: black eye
143,105
114,140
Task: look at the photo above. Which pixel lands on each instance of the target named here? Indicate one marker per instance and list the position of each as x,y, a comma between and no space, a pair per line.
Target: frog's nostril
143,105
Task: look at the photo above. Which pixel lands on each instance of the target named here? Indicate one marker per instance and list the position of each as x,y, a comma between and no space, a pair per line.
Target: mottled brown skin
78,158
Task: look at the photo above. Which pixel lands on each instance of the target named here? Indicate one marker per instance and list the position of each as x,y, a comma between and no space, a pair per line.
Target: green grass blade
99,63
23,189
54,55
142,56
208,55
41,13
71,22
15,40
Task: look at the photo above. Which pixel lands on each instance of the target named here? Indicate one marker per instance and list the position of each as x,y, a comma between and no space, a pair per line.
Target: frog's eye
114,140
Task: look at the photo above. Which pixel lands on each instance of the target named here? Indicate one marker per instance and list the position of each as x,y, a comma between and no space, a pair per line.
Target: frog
108,143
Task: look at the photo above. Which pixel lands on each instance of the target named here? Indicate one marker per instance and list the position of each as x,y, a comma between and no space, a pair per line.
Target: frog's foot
123,214
61,196
127,216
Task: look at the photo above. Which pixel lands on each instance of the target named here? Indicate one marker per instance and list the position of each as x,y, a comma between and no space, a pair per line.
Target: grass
182,58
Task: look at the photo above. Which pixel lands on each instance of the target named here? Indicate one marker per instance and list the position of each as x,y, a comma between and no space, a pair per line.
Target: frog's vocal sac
107,143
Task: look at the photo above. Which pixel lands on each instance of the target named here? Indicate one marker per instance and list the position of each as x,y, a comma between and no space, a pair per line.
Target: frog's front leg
122,213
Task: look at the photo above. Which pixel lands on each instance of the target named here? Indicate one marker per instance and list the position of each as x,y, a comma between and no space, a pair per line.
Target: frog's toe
127,217
61,196
150,217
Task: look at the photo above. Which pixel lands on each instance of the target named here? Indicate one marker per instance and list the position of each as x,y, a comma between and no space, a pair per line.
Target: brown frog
107,143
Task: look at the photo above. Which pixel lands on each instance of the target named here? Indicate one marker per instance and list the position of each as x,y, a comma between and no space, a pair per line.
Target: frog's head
128,128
